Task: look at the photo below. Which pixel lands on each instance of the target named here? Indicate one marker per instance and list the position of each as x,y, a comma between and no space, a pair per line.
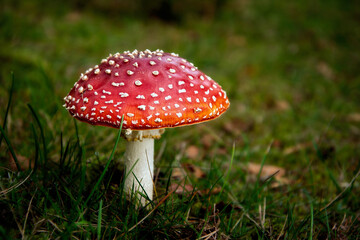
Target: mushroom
152,90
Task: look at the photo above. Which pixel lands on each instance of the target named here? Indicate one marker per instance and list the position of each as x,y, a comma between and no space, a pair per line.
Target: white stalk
139,162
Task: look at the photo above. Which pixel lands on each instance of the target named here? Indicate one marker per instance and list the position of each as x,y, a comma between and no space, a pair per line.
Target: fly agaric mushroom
153,90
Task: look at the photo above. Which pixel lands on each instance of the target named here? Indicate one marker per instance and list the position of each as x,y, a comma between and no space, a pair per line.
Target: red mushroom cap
151,89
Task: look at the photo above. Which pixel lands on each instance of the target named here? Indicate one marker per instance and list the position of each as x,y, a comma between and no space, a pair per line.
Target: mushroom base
139,164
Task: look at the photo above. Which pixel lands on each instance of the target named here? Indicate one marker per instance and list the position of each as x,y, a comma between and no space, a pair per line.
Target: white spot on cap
108,116
157,120
86,100
202,86
130,114
153,94
142,107
134,121
117,84
190,77
168,97
85,77
129,72
155,73
136,64
152,63
83,108
182,90
188,99
176,105
156,102
138,83
81,89
205,99
207,92
214,98
197,110
202,77
140,97
97,71
161,89
170,86
181,83
172,70
111,101
116,74
111,62
96,103
122,94
107,71
106,92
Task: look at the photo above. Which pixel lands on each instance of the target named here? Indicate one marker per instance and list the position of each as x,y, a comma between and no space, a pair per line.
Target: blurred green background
291,70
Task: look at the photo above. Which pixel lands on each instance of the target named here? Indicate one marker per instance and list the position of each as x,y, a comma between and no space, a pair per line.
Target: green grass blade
99,220
10,148
9,103
106,166
41,132
36,159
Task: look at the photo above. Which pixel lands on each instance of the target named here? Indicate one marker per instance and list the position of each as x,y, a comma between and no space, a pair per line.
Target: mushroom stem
139,164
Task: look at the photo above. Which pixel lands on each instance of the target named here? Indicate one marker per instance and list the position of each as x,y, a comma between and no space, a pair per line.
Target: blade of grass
41,132
9,103
339,196
106,166
36,158
11,149
99,220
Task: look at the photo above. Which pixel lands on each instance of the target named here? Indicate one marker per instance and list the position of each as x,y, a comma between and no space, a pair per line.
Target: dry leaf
196,171
354,117
192,152
178,174
23,162
282,105
325,70
214,190
267,170
296,148
181,189
207,140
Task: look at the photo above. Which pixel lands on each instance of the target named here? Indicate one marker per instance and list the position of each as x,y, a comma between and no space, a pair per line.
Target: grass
290,70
